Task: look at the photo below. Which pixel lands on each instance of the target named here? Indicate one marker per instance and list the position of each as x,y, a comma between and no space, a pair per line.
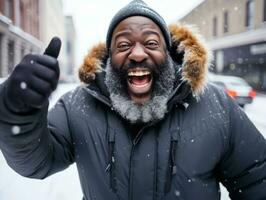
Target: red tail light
231,93
252,93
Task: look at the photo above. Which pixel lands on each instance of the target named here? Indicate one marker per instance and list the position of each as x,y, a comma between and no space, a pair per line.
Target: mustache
123,69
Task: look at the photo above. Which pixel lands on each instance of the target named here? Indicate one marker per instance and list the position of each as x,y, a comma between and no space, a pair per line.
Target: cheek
159,57
118,60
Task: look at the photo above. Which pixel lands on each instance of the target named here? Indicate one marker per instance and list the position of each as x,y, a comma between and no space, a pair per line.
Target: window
22,12
225,21
250,13
22,51
2,10
219,61
264,14
9,5
11,52
214,26
1,47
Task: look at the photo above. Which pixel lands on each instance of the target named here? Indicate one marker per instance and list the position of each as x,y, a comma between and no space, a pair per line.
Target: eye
152,44
123,46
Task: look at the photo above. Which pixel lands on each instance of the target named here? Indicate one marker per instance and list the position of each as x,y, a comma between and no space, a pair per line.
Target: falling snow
15,130
177,193
23,85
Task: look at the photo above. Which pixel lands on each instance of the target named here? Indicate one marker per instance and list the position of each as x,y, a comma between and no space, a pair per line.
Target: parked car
235,87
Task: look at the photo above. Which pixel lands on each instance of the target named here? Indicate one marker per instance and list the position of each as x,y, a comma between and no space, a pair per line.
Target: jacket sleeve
31,145
243,169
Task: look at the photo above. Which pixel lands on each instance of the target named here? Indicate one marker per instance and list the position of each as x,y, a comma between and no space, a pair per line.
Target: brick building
236,32
19,32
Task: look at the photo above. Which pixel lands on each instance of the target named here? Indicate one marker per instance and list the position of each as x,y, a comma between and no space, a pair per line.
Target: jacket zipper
135,142
130,193
155,177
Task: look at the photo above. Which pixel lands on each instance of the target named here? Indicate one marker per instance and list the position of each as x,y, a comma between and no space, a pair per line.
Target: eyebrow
127,32
148,32
121,33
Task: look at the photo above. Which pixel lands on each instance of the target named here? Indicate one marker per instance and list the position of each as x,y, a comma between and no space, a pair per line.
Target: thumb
53,48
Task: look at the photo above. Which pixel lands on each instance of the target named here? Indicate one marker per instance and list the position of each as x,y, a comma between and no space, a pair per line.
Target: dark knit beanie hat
138,8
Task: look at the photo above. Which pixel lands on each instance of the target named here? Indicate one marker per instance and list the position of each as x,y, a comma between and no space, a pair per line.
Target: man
144,126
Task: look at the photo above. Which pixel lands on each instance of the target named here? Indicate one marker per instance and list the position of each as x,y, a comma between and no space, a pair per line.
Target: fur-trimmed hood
188,49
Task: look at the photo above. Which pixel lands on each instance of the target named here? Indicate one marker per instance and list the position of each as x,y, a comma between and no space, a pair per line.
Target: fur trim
197,56
185,40
92,63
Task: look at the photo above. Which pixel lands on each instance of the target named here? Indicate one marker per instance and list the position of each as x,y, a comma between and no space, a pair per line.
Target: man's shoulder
77,95
214,98
212,91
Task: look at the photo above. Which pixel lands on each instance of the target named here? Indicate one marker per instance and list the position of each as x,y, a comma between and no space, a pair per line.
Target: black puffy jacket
204,139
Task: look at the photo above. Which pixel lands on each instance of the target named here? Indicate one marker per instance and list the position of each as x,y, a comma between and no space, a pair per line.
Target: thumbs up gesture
33,79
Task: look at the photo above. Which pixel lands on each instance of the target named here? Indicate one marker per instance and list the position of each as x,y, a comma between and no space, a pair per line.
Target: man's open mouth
139,81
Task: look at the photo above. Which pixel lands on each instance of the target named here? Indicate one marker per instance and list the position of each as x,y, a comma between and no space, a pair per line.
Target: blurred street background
234,30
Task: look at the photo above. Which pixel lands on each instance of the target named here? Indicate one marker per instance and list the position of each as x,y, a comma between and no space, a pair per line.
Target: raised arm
31,145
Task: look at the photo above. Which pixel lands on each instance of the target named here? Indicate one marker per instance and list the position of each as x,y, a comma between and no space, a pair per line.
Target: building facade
27,26
236,32
19,32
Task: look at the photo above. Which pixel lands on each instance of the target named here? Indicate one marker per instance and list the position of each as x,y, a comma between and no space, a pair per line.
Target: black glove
33,79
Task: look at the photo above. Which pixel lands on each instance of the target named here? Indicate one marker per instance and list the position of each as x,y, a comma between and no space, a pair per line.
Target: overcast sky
92,17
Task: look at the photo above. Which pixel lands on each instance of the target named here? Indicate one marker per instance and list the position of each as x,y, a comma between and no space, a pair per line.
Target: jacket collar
188,49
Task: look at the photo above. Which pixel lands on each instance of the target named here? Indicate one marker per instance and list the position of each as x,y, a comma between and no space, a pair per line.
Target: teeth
138,73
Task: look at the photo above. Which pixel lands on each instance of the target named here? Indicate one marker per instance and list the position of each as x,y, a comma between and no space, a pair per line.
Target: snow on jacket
204,139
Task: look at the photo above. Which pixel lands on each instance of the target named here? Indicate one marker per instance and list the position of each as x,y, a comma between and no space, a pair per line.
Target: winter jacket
204,138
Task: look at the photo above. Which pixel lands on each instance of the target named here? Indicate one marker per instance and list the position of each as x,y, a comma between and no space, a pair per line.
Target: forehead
136,23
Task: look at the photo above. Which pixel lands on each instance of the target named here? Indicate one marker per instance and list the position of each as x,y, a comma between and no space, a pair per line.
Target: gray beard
153,109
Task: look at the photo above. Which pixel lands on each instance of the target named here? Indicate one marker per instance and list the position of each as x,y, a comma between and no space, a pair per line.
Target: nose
138,53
